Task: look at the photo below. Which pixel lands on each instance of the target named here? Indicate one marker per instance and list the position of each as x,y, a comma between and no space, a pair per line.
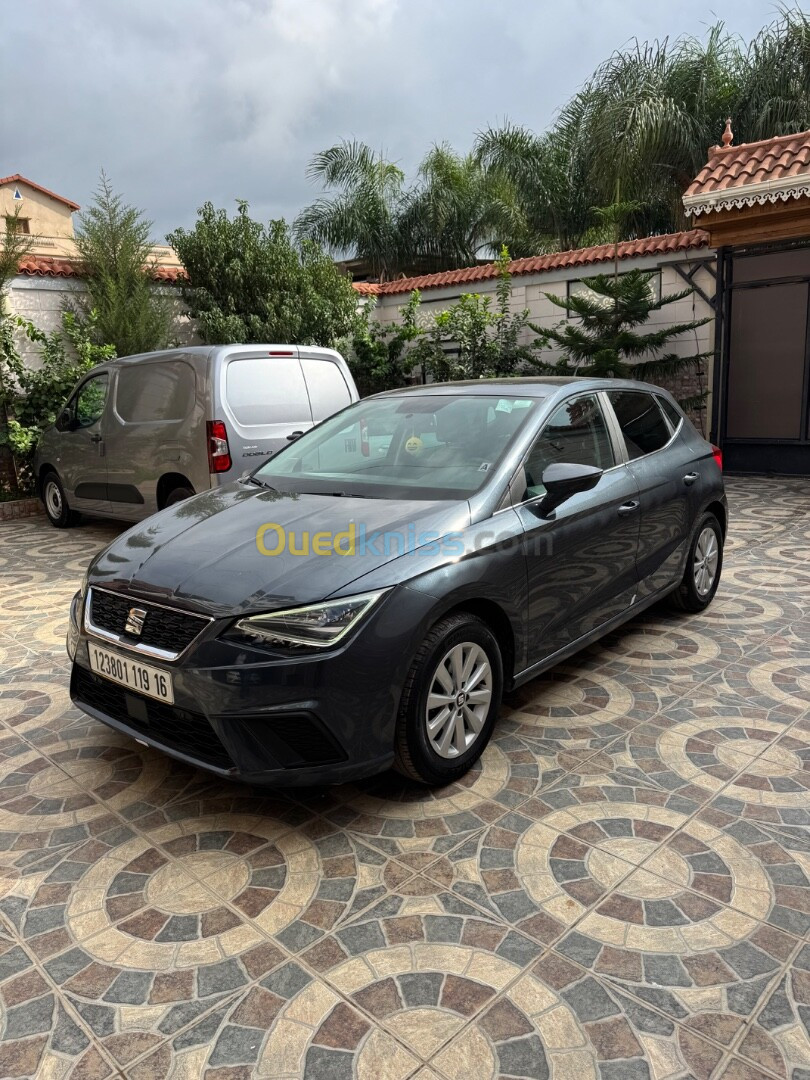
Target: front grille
163,628
177,729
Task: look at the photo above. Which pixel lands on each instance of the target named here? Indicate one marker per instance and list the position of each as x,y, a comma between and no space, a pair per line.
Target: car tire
178,494
430,747
703,567
55,502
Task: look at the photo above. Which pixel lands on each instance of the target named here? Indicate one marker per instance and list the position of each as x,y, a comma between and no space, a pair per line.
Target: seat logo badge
135,621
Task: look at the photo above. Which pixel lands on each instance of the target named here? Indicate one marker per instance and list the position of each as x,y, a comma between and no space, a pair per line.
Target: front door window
577,435
90,401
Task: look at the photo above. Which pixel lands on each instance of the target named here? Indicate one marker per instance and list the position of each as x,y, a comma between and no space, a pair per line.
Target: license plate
143,678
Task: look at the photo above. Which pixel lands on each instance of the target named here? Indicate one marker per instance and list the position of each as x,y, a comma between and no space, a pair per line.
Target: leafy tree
114,246
601,339
249,282
32,398
474,339
367,216
378,355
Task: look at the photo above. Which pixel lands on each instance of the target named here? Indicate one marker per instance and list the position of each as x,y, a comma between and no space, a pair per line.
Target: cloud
187,100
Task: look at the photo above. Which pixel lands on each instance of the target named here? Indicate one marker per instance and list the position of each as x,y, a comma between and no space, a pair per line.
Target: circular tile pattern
186,899
591,856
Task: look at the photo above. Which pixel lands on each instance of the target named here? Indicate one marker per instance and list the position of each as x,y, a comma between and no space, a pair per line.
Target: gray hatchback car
364,598
143,432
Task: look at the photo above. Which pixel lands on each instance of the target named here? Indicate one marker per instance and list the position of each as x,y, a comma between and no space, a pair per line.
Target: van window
266,390
90,401
328,391
149,392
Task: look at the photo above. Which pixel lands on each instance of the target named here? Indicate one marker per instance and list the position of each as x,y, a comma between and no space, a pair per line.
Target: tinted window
414,446
152,392
90,401
267,390
328,391
575,434
641,421
673,415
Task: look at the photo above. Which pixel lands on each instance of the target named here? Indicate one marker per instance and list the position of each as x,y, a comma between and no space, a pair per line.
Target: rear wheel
55,502
178,494
703,567
450,701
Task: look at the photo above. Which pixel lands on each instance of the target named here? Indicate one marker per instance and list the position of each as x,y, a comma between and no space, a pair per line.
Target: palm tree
367,215
460,211
547,173
775,95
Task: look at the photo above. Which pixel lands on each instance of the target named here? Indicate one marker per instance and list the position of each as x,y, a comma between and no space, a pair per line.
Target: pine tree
601,336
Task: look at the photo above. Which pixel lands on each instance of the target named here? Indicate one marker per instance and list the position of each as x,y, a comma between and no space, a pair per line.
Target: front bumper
244,713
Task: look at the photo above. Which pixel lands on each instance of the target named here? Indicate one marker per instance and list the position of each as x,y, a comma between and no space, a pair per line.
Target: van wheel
55,502
177,495
450,701
703,567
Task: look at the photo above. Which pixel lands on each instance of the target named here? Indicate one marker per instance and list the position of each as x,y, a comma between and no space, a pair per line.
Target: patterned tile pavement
620,890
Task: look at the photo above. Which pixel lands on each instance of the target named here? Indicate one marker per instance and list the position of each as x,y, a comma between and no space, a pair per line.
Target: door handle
690,478
96,438
628,508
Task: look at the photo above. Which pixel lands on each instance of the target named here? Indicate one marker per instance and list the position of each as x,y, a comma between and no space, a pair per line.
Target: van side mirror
562,480
64,421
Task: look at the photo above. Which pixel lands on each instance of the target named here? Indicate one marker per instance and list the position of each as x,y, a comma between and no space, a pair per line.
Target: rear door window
153,392
266,390
672,413
643,425
328,392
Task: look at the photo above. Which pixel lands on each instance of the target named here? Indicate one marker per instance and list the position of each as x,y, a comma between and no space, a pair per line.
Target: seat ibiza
364,598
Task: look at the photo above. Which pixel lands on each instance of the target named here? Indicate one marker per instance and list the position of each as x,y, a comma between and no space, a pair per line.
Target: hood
203,553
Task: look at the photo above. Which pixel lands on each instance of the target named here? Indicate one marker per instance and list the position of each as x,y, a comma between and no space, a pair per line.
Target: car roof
534,386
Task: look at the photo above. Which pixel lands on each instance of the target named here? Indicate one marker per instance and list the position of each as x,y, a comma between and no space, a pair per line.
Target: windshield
417,446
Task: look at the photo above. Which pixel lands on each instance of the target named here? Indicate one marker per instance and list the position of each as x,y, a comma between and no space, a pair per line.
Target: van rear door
264,399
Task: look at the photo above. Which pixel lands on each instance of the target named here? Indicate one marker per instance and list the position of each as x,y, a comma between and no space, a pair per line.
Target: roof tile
48,266
537,264
733,168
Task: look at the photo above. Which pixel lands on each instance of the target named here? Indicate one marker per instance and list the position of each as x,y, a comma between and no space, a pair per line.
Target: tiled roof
17,179
771,170
46,266
539,264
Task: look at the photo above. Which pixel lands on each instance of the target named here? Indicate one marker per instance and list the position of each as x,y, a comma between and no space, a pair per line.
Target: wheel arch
166,485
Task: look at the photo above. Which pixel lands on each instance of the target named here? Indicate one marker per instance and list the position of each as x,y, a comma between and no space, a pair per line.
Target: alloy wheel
459,699
707,557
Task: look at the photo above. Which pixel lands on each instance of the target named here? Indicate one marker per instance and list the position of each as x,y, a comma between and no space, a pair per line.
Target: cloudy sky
186,100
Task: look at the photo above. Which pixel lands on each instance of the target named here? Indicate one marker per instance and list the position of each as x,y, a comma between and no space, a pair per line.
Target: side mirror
562,480
294,435
64,420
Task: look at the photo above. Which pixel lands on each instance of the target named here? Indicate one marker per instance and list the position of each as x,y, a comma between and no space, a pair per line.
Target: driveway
620,890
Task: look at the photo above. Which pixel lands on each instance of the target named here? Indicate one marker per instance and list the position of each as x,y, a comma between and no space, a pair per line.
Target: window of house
579,286
643,425
18,224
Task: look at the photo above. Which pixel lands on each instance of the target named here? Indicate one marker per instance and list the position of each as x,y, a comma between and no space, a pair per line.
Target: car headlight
317,625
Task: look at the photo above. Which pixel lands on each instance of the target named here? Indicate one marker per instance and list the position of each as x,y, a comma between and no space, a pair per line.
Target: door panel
660,468
767,362
581,561
82,461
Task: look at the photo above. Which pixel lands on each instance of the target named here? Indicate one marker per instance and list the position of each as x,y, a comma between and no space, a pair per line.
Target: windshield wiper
340,494
259,483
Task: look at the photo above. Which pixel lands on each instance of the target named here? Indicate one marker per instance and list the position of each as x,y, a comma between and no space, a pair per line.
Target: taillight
717,454
219,453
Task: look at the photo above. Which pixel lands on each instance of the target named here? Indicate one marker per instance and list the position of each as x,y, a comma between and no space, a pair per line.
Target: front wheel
450,701
56,505
703,567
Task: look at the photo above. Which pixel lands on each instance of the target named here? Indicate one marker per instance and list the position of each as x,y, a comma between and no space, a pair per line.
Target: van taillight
219,453
717,454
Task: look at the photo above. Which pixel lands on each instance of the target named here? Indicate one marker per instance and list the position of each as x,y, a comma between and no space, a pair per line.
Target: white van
142,432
